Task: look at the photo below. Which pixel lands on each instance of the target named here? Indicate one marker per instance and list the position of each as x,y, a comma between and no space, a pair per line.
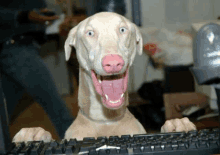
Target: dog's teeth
122,95
114,101
99,78
106,96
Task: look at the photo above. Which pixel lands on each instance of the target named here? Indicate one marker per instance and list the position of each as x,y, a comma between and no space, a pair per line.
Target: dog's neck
90,102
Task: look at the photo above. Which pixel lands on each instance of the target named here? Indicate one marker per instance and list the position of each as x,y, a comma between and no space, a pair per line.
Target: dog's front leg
178,125
32,134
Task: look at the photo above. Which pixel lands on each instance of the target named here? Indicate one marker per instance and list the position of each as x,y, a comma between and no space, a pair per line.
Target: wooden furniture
174,100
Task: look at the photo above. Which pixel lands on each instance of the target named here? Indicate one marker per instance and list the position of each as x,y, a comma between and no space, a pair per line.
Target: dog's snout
112,63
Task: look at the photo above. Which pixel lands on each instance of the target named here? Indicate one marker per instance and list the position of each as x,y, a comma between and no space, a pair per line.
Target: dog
106,44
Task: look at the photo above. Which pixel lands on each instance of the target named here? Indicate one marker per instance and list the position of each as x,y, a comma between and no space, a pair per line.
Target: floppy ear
139,40
70,41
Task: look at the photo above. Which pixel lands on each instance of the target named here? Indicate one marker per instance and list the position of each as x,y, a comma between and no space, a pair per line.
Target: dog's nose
112,63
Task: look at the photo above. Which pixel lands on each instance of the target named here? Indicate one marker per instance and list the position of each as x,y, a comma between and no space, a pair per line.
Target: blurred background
159,78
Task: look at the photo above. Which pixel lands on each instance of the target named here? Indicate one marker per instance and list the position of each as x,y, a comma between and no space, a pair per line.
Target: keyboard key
37,147
169,141
54,144
174,146
179,141
113,138
87,147
102,139
69,150
123,145
153,143
174,141
157,148
137,149
204,130
59,150
72,142
104,152
125,137
138,144
18,147
133,145
203,144
192,133
182,146
108,151
192,145
151,138
163,143
99,144
141,139
88,140
205,138
131,139
213,144
111,144
123,150
93,152
182,135
195,139
26,150
167,147
63,143
50,150
113,151
216,130
147,149
143,143
139,136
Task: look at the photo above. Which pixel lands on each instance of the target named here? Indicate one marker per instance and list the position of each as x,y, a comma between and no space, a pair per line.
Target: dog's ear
139,40
70,41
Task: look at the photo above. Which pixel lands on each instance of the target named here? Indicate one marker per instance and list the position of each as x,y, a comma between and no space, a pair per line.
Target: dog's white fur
94,119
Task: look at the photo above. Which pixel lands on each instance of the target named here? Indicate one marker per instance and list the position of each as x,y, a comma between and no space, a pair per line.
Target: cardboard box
173,100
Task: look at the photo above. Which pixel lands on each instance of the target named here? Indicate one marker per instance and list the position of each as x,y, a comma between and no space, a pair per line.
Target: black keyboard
194,142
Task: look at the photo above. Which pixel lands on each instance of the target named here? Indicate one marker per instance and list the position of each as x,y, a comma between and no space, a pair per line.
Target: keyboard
194,142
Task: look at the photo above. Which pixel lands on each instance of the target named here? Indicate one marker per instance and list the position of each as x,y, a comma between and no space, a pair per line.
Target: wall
172,15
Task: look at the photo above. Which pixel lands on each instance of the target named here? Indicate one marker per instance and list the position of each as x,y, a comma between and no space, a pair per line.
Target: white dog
106,44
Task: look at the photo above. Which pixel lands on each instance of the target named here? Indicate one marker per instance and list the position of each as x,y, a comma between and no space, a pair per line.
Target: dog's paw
178,125
32,134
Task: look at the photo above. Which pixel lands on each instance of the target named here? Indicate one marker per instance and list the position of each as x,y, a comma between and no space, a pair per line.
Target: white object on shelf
214,114
54,27
190,110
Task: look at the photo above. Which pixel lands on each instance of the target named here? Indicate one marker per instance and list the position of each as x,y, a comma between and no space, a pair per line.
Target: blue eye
90,33
122,30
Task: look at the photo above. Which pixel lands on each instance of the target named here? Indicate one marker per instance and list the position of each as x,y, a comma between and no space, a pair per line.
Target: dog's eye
90,33
122,30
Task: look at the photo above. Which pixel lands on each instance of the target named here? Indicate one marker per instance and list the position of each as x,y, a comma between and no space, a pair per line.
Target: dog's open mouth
111,88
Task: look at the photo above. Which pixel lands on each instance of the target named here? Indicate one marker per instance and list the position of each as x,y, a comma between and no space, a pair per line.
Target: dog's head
106,44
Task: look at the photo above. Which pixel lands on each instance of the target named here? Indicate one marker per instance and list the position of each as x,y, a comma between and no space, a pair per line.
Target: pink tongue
113,88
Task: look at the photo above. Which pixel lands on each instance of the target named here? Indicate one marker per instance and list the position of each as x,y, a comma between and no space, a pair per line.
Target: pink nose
112,63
